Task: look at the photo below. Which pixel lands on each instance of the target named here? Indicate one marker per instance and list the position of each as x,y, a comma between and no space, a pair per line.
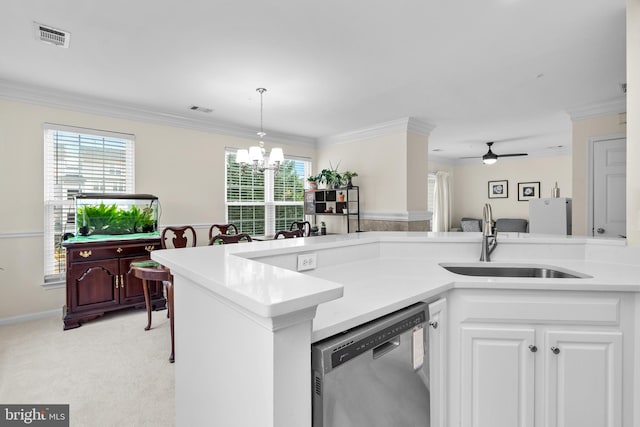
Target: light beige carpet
110,371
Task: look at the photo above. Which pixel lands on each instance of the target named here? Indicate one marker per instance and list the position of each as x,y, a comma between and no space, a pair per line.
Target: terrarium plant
96,218
108,219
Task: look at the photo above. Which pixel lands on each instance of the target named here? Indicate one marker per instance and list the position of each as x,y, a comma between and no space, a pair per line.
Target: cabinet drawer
554,308
106,252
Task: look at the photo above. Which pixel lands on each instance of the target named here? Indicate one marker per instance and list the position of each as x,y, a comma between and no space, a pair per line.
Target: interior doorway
608,184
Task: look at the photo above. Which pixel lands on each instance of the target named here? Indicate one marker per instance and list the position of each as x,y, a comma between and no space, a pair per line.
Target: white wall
470,185
380,161
184,168
584,130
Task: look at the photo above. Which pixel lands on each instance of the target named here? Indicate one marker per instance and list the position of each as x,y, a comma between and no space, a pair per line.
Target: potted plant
348,175
331,177
313,181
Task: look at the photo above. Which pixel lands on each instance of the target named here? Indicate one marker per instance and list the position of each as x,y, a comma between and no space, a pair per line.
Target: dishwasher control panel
354,348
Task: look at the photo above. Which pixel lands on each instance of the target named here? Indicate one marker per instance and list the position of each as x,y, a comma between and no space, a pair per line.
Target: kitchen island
246,318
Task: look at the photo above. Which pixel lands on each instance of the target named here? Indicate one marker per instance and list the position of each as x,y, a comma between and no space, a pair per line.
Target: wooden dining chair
217,229
171,237
178,237
289,234
149,270
305,226
223,239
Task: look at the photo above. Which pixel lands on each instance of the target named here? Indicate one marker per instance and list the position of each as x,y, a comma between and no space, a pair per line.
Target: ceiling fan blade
471,157
512,155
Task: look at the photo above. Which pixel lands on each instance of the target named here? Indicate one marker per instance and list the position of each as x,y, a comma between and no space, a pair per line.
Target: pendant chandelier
256,158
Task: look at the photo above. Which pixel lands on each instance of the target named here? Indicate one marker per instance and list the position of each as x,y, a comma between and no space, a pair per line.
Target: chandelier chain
261,90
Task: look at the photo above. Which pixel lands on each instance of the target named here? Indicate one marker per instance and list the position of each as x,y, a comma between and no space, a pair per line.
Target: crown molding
47,97
405,124
612,106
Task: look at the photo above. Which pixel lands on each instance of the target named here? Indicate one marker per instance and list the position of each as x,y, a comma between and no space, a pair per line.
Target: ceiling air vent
201,109
52,35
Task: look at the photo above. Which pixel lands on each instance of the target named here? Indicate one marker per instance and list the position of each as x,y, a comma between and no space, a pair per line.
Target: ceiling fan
490,157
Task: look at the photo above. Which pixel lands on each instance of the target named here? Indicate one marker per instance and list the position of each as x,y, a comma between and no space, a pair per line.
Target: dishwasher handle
386,347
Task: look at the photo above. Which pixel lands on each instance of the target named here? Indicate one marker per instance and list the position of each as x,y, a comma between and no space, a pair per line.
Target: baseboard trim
31,316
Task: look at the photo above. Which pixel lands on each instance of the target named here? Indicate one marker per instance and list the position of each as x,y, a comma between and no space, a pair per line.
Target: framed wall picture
528,191
498,189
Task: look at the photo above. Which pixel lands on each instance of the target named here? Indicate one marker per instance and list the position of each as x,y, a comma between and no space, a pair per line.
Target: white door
583,379
438,362
609,187
497,376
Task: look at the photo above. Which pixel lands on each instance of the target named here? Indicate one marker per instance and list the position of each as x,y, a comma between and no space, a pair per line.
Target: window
79,160
261,204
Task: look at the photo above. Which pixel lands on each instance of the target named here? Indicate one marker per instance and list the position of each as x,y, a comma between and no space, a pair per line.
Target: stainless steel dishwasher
375,375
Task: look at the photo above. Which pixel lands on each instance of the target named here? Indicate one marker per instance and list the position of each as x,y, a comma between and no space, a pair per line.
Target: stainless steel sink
512,270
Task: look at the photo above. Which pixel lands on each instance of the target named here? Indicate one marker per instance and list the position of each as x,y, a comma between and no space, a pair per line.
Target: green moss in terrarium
108,219
96,219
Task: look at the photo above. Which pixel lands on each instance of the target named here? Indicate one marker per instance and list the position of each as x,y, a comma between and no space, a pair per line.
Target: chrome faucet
489,235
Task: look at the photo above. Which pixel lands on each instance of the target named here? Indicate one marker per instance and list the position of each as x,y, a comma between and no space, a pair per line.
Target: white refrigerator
550,216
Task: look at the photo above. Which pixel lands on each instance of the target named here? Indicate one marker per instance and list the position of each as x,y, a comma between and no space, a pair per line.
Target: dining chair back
223,239
217,229
305,226
178,237
289,234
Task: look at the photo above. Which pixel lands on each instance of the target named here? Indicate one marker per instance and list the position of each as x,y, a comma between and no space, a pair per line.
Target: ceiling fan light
489,159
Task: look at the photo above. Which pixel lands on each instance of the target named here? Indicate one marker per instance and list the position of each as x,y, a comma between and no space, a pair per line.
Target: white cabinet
534,359
497,388
583,378
438,362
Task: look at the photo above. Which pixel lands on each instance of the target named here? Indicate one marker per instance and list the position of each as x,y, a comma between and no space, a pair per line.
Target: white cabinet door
583,372
497,376
438,362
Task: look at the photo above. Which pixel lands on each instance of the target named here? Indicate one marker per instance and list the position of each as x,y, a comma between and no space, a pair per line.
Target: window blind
79,160
261,204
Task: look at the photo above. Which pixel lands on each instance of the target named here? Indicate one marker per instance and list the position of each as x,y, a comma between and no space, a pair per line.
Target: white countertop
362,276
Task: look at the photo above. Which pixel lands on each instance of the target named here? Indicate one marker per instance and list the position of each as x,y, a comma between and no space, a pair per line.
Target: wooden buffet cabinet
100,280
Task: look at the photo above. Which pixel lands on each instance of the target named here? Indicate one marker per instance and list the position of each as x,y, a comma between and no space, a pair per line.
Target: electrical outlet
306,262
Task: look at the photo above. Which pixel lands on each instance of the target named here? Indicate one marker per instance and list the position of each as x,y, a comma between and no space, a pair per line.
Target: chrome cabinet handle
533,348
433,324
555,350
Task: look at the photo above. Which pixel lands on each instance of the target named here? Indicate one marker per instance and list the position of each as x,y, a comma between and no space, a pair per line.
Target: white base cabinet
438,356
583,378
497,376
538,359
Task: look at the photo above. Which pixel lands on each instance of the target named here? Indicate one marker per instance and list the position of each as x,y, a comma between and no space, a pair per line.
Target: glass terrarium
105,215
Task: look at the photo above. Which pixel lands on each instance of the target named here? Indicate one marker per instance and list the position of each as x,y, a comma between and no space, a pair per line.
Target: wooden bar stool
149,270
